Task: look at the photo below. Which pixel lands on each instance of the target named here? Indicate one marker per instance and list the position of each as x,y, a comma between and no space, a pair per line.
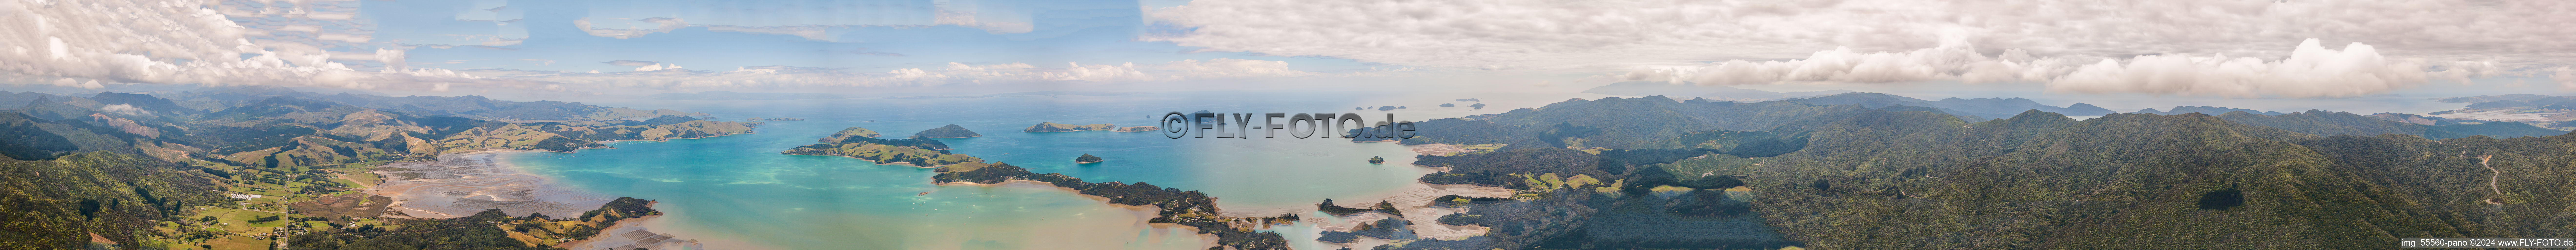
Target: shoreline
658,140
624,235
463,183
1145,211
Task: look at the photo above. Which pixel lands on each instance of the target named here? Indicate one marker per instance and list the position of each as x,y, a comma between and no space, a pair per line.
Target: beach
461,184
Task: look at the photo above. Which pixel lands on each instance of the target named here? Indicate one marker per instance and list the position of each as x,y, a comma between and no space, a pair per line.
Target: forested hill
1631,123
147,172
285,131
1845,177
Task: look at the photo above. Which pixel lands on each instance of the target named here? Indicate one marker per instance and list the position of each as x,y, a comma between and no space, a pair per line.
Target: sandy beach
632,233
461,184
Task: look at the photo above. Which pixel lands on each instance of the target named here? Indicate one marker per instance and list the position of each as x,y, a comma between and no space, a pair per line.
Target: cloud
633,28
89,43
2311,70
631,63
1598,35
952,73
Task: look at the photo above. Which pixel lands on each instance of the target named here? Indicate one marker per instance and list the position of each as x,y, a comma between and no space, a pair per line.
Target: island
1377,160
1086,159
950,131
1187,208
1060,127
1448,105
854,143
1139,129
1477,106
850,132
777,119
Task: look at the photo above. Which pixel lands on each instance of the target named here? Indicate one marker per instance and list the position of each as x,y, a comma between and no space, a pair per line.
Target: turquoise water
737,191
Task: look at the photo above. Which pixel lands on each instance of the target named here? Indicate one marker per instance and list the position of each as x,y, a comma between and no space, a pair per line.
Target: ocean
737,191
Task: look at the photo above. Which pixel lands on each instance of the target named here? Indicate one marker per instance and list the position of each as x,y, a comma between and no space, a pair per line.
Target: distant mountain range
1711,92
2548,111
1990,108
478,107
730,95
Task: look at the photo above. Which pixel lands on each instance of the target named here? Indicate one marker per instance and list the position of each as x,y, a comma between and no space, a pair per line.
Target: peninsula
854,142
1060,127
1187,208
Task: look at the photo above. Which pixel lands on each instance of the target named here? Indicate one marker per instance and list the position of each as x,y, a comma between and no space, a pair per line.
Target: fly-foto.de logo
1300,125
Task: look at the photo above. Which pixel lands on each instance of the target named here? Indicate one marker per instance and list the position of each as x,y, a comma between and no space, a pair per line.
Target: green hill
950,131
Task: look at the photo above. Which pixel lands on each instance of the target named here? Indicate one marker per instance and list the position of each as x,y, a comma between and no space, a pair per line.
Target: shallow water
738,192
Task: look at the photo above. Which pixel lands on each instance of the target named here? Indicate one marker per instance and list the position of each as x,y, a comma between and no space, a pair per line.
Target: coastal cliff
1060,127
920,152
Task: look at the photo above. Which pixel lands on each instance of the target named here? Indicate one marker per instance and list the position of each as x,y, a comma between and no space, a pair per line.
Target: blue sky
868,36
2200,50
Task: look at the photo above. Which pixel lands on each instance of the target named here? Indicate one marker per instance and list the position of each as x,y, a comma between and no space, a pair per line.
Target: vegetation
58,203
1059,127
1188,208
855,142
158,175
1086,159
950,131
1840,177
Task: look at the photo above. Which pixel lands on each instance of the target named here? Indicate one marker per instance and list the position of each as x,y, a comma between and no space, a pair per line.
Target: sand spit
632,234
461,184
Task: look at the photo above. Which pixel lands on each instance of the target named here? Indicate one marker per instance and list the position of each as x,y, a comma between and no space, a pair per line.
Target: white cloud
289,43
631,63
952,73
1230,68
2565,77
1615,34
629,28
2310,70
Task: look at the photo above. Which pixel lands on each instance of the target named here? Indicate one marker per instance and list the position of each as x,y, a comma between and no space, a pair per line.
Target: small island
777,119
1377,160
847,133
1139,129
950,131
1448,105
1060,127
1477,106
855,142
1086,159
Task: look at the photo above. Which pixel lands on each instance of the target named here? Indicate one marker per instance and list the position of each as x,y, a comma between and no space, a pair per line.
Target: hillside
2038,180
1060,127
916,151
153,173
950,131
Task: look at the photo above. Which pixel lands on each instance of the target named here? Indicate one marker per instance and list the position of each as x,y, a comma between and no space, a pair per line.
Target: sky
2201,50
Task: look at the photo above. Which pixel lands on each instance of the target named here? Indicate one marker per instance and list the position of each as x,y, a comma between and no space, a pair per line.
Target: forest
1901,177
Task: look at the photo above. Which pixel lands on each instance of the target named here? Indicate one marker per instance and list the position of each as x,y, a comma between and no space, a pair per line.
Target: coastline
1141,211
640,232
463,183
663,139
